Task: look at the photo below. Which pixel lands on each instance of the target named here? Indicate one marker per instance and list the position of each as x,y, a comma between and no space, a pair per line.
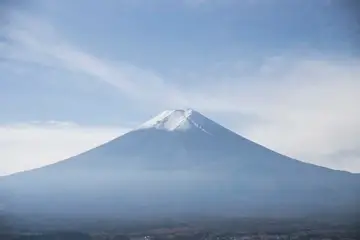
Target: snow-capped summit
176,120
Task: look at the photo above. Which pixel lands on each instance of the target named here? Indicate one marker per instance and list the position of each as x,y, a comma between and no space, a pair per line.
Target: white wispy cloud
31,145
310,111
307,105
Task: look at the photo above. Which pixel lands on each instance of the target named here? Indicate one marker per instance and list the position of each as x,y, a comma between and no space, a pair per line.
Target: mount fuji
180,163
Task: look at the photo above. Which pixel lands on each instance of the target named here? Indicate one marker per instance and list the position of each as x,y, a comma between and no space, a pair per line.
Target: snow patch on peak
174,120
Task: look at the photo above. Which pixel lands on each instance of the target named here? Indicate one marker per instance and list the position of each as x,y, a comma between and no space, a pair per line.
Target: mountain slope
181,162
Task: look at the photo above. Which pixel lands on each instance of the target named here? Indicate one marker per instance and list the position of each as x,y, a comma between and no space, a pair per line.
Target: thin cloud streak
37,42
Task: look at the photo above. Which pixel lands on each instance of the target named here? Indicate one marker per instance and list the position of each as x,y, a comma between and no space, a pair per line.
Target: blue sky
75,74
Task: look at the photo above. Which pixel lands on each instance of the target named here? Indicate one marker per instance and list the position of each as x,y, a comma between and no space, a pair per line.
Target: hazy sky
74,74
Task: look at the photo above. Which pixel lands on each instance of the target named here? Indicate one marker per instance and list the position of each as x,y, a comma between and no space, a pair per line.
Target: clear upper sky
283,73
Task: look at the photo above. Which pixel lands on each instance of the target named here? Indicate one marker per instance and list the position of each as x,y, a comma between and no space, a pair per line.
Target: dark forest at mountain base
200,229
